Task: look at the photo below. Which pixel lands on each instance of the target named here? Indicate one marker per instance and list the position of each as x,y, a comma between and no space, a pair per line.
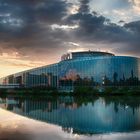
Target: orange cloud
13,63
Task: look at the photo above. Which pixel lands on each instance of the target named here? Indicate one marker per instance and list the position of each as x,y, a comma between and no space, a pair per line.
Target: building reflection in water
81,115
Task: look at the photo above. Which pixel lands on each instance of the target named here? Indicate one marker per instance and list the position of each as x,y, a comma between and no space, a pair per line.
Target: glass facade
82,70
100,71
42,77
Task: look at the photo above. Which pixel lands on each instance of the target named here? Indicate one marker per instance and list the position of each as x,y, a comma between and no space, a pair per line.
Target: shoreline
16,127
52,93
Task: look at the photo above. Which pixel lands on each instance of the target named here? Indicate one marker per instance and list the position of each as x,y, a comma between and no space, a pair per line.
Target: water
82,116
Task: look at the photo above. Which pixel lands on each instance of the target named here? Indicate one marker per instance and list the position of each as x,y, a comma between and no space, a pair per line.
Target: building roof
89,53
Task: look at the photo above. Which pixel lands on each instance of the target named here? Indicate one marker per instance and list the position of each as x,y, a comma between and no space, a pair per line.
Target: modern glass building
88,68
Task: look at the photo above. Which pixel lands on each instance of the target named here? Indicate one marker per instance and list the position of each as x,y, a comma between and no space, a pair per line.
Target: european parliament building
88,68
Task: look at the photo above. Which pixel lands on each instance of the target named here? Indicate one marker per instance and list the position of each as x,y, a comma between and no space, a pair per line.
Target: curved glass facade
82,69
100,71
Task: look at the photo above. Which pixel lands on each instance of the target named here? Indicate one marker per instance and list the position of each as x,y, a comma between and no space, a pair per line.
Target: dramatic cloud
84,8
45,29
26,24
95,28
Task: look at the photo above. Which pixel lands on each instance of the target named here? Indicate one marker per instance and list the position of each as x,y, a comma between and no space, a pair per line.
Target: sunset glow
37,33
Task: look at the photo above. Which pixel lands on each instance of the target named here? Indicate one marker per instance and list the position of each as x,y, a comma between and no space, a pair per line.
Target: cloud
95,28
42,29
116,10
25,25
84,6
136,5
51,11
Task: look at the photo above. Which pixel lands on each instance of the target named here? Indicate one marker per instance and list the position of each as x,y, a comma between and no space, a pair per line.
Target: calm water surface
71,117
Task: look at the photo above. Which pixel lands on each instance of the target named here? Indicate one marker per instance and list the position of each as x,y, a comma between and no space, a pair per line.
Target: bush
85,90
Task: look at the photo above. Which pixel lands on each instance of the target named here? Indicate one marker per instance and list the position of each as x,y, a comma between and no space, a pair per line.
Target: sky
37,32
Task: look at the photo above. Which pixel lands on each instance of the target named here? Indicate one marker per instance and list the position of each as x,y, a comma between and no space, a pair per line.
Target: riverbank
80,91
